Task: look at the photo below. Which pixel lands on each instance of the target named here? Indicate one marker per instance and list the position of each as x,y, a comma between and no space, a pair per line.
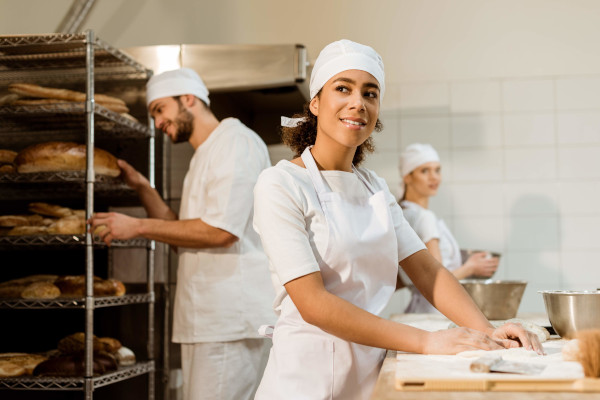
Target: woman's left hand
512,334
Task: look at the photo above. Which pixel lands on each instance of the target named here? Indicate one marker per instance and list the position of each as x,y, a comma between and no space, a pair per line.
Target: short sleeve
235,166
426,226
279,220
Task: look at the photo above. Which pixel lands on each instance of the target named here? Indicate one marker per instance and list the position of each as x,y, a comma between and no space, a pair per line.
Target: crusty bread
116,107
11,291
75,344
24,360
64,156
50,210
7,168
31,90
7,156
111,345
41,290
27,280
10,369
125,356
28,230
71,225
13,220
74,286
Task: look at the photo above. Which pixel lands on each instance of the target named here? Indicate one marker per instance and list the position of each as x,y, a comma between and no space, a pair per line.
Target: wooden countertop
385,390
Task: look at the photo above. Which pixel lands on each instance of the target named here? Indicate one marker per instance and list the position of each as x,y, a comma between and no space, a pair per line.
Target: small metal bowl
497,299
570,311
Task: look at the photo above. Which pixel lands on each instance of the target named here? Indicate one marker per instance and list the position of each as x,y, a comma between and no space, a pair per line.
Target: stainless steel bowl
570,311
496,299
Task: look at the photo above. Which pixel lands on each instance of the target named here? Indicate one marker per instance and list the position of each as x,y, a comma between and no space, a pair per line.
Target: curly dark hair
305,134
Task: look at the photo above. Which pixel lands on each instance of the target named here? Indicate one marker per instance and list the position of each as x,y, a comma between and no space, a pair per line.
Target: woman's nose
357,101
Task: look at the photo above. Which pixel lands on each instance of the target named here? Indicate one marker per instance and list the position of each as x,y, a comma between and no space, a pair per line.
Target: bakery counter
76,383
385,388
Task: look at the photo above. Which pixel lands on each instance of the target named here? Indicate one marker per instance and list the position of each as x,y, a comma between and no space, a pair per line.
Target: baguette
32,90
64,156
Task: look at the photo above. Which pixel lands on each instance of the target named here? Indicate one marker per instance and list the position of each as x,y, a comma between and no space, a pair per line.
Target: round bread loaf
25,360
40,290
7,156
64,156
125,356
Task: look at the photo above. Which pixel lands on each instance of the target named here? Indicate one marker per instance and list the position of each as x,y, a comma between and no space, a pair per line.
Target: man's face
172,118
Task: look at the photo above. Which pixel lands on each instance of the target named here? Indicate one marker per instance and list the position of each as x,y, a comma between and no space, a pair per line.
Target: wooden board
417,372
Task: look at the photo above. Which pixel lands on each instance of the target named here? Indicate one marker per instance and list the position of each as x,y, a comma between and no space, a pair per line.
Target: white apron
451,259
360,265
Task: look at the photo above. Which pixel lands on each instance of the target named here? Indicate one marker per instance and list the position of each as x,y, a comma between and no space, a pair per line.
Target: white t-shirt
293,228
223,294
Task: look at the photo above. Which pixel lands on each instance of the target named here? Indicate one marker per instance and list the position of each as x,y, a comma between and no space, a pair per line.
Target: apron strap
313,170
363,179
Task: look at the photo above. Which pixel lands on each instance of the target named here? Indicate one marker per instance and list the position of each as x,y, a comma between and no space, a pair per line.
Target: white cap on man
176,83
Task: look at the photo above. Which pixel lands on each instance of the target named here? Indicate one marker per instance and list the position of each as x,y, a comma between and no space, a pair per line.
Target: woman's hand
513,334
452,341
481,264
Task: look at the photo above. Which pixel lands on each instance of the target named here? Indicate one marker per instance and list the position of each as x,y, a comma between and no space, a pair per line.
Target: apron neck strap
363,179
313,171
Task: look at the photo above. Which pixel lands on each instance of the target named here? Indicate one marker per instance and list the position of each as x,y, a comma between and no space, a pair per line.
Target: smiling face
347,109
172,118
424,180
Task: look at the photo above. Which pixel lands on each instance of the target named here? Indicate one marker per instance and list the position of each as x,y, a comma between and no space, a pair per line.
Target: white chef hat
344,55
414,155
176,83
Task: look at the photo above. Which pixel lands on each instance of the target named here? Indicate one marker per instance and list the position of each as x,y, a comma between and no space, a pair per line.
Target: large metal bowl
496,299
570,311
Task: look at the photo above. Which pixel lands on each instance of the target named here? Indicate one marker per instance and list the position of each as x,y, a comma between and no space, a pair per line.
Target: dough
541,332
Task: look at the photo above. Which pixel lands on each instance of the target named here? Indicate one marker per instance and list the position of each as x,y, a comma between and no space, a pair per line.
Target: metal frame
72,58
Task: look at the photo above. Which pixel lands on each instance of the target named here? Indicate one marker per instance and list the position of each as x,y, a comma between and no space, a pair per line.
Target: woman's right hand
453,341
481,264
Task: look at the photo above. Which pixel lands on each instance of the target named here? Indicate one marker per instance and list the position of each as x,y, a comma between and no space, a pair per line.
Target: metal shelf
62,56
75,383
67,116
75,303
32,241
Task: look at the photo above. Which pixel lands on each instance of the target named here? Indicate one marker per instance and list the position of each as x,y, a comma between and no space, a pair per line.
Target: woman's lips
353,123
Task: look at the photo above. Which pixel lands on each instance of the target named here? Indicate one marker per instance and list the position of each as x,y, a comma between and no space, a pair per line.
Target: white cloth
358,261
429,227
221,370
223,293
344,55
414,155
176,83
294,243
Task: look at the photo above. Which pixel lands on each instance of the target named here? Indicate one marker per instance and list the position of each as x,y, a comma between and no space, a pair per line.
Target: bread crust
116,107
7,156
64,156
32,90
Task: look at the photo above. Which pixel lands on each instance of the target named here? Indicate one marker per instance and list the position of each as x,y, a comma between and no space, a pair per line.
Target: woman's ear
314,106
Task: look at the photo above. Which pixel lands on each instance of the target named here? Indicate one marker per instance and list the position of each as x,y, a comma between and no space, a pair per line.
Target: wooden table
385,390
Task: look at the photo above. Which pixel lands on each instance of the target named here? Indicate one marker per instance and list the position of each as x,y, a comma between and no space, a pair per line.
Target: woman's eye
342,89
372,95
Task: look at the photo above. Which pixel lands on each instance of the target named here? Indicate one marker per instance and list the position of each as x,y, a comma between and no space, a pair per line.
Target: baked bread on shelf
54,286
64,156
54,95
25,361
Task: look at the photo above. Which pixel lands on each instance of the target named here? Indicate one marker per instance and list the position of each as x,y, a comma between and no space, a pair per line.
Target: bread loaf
64,156
41,290
28,230
7,168
24,360
74,286
50,210
75,344
125,356
111,345
71,225
74,365
7,156
9,369
13,220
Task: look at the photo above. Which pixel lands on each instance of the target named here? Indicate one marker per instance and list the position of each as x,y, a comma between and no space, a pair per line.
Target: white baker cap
344,55
176,83
414,155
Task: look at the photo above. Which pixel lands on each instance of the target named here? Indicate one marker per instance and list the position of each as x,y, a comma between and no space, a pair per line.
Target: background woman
421,173
334,236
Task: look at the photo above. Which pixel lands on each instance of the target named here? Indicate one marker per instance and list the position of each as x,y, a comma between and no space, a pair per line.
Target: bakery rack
66,60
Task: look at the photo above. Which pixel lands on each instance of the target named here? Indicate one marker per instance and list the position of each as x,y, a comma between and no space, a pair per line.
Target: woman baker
335,238
421,173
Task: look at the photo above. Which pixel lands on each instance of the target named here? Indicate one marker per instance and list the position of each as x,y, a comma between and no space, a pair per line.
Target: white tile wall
389,138
531,198
577,198
424,98
476,131
580,270
580,232
484,233
434,130
578,93
532,233
530,164
579,127
528,95
483,165
579,162
477,199
475,97
535,129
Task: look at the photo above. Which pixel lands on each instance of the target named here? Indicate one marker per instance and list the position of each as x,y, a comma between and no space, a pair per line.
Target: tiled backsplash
521,171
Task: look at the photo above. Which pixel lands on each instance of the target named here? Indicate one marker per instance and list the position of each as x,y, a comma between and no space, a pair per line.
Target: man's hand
513,334
113,225
132,177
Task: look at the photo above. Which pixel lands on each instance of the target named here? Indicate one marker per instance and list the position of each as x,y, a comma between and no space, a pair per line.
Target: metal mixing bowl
570,311
496,299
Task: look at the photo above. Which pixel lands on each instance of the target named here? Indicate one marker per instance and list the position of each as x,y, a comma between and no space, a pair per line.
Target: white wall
507,90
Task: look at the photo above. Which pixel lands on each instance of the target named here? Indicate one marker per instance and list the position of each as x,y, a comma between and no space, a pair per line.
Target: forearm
462,272
349,322
154,205
191,233
443,290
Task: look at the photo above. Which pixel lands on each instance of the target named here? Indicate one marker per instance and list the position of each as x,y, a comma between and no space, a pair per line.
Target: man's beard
184,122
